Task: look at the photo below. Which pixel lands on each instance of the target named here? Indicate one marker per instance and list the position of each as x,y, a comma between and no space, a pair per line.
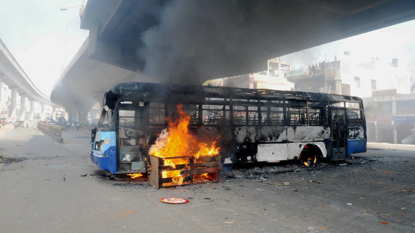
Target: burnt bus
253,125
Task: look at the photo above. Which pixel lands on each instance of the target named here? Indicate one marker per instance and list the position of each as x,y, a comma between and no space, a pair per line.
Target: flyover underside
86,80
182,42
189,42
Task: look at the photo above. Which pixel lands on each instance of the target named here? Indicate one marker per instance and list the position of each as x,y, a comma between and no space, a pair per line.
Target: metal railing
51,129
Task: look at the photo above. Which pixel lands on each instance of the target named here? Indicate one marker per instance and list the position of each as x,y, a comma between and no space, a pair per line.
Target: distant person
73,125
77,126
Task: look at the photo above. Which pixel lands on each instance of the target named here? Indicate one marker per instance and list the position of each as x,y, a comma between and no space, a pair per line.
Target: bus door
132,126
339,134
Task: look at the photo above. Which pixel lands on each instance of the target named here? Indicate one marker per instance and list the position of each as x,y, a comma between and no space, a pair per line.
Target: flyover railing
55,132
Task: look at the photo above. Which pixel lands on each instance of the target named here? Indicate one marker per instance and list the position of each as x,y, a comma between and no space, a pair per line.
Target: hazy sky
397,41
37,32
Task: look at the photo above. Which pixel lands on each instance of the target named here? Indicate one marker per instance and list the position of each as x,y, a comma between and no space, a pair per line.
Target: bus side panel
356,142
355,146
275,152
329,148
105,158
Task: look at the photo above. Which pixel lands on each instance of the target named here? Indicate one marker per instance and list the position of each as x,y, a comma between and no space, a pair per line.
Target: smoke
199,40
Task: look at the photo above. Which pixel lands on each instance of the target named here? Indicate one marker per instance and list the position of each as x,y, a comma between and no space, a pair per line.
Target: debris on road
286,183
174,200
82,175
349,204
316,181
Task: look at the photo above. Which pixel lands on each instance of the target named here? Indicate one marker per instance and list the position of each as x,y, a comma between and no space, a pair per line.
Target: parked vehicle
51,122
61,121
18,124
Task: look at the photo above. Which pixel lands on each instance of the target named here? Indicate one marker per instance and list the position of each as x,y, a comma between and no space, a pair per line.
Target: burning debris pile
179,157
135,175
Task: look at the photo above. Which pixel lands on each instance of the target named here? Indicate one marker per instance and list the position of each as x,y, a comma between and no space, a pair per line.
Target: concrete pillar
376,132
53,113
32,109
83,116
22,116
72,115
42,111
395,134
393,106
1,87
12,111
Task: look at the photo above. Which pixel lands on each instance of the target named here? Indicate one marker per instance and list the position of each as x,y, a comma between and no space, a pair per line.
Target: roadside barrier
55,132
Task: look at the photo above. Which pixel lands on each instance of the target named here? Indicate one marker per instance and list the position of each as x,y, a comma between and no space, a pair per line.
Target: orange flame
135,175
176,141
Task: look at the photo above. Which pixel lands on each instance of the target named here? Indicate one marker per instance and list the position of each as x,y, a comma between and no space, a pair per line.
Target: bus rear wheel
308,160
310,155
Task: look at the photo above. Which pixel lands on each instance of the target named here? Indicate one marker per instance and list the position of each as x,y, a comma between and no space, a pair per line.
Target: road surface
44,190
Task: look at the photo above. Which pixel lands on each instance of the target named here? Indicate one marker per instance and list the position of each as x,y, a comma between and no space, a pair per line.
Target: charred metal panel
253,137
356,132
281,133
311,133
271,134
183,93
246,134
272,152
275,152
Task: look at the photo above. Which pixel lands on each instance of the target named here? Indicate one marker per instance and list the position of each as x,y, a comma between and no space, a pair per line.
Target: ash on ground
261,171
8,160
119,179
250,171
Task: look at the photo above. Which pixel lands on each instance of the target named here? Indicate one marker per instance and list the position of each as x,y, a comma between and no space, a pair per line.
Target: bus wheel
308,160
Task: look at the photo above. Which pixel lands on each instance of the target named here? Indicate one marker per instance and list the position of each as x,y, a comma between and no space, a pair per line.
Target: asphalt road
43,191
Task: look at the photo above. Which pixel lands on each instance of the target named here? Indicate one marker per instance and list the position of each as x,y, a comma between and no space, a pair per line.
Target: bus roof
149,91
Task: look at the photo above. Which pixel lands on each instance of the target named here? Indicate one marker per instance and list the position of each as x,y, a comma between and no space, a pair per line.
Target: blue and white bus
253,125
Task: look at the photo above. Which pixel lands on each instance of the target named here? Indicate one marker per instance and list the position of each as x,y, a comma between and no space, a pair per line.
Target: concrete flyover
182,41
84,82
18,82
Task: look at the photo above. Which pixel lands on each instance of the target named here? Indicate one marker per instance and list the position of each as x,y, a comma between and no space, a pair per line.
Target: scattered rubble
259,172
8,160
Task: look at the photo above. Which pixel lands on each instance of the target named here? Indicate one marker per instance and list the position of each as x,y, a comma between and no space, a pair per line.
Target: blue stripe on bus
109,162
355,146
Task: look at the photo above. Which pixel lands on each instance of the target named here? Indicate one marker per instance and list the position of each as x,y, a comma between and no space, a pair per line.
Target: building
390,117
343,78
275,78
385,89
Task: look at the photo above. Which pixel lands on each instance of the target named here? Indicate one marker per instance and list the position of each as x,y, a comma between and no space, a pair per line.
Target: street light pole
69,7
64,51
